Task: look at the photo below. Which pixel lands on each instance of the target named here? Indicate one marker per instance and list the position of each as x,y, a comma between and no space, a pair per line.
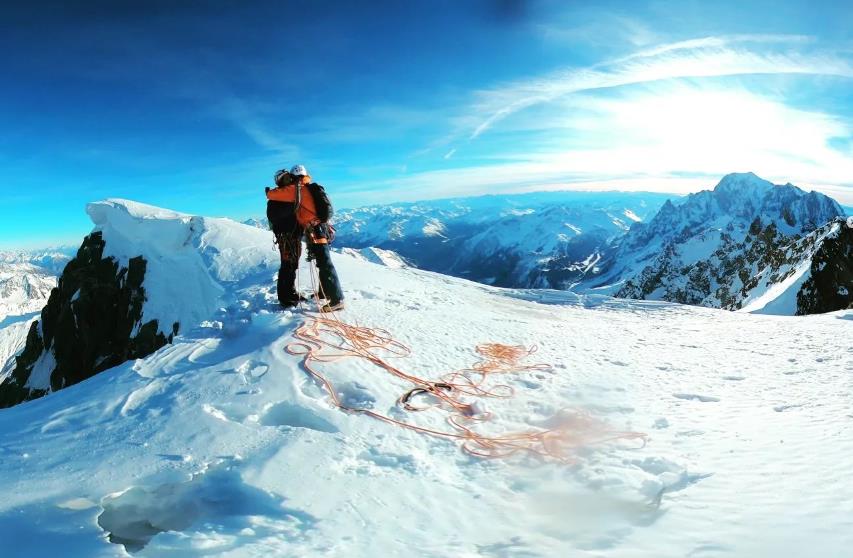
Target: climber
297,208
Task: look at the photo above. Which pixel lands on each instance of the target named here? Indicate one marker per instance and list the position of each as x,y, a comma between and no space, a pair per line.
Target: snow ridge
190,258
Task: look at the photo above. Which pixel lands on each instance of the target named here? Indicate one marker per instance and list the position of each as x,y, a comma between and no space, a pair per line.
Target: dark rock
830,286
92,322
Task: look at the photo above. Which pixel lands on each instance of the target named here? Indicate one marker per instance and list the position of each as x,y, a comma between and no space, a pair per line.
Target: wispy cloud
247,118
717,42
672,117
705,57
599,28
675,137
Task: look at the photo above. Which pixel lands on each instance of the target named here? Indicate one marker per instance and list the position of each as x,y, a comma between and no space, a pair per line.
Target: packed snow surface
221,445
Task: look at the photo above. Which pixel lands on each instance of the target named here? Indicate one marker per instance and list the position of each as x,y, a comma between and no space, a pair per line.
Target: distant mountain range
530,240
747,244
26,280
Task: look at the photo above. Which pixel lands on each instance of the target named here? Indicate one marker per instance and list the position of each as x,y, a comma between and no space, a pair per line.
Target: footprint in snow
529,384
252,371
697,397
355,395
783,408
689,433
390,460
174,457
230,413
666,477
289,414
216,498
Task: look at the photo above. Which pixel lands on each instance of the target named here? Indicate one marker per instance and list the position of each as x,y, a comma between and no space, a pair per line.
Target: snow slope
221,445
26,280
13,335
376,255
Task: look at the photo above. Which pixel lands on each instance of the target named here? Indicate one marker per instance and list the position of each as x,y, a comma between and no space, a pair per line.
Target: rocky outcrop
830,285
737,270
93,321
748,244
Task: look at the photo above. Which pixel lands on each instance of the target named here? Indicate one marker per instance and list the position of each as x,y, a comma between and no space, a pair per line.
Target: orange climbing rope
325,338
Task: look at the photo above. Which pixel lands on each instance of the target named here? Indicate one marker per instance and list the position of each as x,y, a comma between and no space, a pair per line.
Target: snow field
221,445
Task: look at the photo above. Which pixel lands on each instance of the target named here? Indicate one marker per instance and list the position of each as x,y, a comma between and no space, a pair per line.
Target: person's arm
321,203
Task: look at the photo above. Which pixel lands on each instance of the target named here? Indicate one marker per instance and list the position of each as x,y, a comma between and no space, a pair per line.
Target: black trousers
290,249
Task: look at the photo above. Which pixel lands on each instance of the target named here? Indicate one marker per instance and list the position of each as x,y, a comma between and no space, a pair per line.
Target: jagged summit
746,244
742,181
736,201
741,193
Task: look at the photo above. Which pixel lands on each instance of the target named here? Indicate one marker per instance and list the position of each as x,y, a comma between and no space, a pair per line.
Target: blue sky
193,105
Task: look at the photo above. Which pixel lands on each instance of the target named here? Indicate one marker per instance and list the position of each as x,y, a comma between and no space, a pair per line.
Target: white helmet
299,170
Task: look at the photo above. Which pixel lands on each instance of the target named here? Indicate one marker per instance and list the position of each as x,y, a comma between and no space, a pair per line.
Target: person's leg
330,285
290,249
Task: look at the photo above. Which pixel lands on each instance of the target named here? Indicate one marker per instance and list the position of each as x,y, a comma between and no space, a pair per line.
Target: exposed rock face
745,245
830,286
736,271
92,322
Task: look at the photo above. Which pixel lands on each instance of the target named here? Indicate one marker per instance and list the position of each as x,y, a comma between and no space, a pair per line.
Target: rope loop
325,338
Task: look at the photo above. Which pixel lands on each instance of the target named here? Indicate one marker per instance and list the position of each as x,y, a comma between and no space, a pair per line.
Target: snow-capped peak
728,247
742,182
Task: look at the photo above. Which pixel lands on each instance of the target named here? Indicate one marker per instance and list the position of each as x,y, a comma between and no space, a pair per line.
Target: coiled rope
326,338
